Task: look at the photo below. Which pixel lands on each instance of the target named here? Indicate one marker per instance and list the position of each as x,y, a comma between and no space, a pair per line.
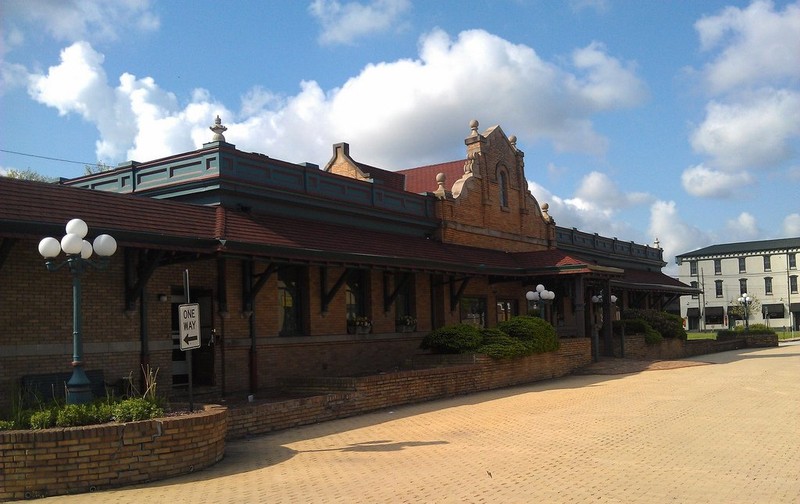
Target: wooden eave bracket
250,289
390,297
455,296
326,295
138,273
5,249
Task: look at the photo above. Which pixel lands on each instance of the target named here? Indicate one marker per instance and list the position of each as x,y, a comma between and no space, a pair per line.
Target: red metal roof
32,209
423,178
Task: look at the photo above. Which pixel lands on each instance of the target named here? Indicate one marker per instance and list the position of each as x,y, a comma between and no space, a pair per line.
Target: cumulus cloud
758,44
402,113
343,23
704,182
791,225
753,120
756,131
675,235
742,228
595,206
93,20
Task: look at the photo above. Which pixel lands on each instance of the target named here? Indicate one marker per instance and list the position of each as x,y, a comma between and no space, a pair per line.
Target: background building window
693,268
694,286
742,266
767,263
793,284
718,288
717,266
768,286
792,261
290,295
742,285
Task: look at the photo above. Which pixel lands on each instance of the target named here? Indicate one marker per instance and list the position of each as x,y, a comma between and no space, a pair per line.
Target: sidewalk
720,428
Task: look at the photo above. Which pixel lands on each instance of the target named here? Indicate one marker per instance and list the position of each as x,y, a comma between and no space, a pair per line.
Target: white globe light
86,250
105,245
539,288
530,295
78,227
71,244
534,296
596,299
49,247
613,299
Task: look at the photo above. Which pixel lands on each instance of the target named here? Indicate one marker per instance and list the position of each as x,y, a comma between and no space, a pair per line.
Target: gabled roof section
423,178
750,247
342,164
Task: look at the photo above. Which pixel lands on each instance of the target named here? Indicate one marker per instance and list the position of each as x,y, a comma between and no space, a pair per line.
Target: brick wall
84,459
348,396
670,348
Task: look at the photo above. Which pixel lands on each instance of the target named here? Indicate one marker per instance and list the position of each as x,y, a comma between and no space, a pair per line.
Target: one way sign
189,322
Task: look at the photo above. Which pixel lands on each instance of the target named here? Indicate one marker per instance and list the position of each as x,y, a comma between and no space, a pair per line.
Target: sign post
189,331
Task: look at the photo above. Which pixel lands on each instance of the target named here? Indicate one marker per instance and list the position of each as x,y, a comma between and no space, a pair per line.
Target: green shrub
73,415
535,333
136,408
7,425
761,329
43,419
667,324
499,345
638,326
453,339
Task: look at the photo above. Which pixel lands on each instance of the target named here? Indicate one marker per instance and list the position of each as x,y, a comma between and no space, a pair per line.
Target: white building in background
766,270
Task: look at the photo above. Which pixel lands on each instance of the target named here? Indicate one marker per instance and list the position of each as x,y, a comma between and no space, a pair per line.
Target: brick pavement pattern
726,432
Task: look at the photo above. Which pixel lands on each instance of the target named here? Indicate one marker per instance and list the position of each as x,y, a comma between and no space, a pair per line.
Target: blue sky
639,119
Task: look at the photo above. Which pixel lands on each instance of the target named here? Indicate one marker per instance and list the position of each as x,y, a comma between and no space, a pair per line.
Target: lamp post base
79,388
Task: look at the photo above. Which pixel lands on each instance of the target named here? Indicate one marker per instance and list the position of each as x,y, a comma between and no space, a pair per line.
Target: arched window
503,183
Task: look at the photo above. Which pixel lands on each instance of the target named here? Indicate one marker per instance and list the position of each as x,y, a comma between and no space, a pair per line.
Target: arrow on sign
188,339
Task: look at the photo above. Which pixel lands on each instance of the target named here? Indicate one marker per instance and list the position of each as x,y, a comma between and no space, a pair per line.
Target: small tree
737,309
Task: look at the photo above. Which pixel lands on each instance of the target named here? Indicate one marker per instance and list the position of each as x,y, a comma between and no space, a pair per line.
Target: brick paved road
727,432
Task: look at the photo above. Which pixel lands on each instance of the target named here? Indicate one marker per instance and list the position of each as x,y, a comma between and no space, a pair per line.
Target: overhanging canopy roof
653,281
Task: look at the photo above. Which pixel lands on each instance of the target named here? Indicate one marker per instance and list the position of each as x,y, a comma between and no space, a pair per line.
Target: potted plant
359,325
406,323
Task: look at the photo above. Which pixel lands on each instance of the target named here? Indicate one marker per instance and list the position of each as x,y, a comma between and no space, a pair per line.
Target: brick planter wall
40,463
670,348
343,397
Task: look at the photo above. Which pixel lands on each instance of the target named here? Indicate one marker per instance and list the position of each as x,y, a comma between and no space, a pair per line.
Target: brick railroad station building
284,257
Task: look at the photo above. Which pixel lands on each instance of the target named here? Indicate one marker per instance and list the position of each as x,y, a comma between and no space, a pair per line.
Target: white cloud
403,113
759,44
343,23
757,131
595,206
608,84
743,228
600,6
708,183
605,194
791,225
73,20
674,234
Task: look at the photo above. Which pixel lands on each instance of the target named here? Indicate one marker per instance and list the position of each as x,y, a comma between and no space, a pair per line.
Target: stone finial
440,180
218,130
545,208
473,125
513,140
657,244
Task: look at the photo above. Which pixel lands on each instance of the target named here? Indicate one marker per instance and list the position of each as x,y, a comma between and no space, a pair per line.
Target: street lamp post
745,301
600,324
540,294
78,252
